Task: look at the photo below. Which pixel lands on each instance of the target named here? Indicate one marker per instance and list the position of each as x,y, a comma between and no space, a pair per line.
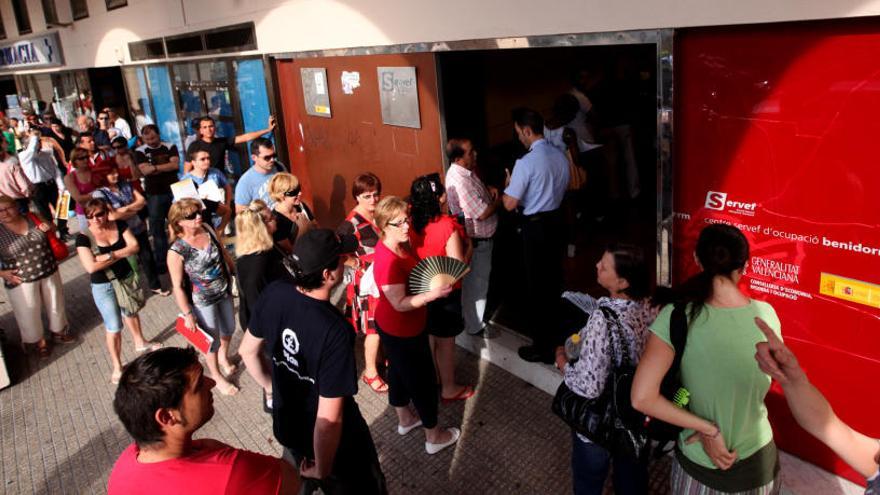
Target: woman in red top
436,234
128,171
400,321
366,189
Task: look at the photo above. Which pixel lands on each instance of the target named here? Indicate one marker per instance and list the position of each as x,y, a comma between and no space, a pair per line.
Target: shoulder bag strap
678,331
221,251
614,327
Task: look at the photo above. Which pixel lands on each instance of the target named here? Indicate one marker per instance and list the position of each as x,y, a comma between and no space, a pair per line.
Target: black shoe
534,354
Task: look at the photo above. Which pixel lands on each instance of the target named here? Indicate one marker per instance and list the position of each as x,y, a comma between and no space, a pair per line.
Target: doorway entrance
627,197
202,89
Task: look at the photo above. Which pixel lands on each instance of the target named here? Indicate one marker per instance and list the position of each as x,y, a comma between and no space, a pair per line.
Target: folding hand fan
435,271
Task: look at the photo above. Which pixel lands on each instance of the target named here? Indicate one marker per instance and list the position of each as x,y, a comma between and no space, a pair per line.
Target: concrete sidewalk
58,433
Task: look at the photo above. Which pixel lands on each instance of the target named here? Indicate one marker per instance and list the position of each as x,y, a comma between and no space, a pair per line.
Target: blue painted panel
145,103
163,103
253,96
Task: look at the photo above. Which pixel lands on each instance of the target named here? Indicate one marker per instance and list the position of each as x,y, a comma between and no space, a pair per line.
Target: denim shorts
105,300
217,319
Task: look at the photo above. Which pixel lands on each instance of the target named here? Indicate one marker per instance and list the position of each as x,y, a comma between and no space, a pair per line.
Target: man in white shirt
38,163
475,205
118,122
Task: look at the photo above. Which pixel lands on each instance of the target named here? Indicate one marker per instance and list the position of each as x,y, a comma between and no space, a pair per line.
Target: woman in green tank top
726,445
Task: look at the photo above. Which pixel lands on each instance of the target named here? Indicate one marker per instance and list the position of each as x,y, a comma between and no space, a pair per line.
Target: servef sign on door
399,96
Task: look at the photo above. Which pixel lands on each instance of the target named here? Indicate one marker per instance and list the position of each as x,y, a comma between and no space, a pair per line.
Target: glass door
203,90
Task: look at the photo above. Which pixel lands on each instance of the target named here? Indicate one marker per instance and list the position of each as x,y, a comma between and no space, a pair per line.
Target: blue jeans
217,319
157,207
105,300
589,468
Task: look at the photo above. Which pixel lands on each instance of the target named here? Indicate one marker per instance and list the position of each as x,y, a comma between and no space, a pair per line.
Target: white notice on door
320,87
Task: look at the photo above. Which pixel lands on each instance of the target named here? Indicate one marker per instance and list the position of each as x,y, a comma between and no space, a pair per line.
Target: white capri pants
27,301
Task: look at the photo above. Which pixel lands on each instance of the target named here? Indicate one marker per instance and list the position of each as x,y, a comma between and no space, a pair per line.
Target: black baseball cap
317,248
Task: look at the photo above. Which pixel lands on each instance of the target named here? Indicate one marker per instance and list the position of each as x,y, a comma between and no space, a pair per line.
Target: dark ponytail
424,201
721,249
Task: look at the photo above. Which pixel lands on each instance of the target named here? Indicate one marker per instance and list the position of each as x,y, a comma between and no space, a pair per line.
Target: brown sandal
43,350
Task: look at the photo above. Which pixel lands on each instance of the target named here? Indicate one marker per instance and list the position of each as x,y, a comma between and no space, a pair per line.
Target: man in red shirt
162,400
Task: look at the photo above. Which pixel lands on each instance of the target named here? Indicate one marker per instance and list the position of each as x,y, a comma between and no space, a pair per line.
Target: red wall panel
777,130
327,153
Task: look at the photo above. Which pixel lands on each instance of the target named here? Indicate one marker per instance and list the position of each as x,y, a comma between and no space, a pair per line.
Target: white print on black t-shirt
291,348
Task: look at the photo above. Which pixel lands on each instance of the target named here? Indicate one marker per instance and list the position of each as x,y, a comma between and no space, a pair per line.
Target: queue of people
299,347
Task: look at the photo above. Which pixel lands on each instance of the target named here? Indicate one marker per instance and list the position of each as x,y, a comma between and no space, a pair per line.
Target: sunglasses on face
193,215
96,214
269,158
293,192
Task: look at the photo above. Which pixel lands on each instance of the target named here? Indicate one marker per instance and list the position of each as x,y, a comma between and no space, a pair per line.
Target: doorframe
662,39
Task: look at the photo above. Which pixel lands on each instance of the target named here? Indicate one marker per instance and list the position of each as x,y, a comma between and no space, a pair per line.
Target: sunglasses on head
193,215
293,192
96,214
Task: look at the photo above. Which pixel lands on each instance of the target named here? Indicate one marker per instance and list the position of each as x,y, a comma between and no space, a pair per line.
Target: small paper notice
320,87
185,189
350,81
210,191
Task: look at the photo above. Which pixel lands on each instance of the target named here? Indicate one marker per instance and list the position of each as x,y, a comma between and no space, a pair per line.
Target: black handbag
608,420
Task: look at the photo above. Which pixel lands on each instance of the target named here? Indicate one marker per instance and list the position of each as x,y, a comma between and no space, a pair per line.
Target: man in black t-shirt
314,376
159,163
217,146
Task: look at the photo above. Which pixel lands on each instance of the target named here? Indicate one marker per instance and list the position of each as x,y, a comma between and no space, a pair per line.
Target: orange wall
329,153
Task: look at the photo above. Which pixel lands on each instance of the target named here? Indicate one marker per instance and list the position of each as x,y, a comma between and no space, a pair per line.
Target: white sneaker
433,448
403,430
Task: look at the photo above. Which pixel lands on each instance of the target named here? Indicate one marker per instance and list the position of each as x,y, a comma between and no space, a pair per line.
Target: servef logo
716,200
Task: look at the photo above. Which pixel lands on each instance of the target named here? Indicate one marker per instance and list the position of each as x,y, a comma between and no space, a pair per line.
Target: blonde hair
251,234
280,183
179,210
386,210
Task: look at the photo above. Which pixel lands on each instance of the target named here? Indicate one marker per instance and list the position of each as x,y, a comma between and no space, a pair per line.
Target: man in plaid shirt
472,202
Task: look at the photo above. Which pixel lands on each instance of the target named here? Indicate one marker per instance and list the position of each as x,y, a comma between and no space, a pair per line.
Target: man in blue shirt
537,185
254,183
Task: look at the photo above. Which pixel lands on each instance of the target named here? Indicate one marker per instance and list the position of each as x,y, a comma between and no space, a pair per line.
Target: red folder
197,337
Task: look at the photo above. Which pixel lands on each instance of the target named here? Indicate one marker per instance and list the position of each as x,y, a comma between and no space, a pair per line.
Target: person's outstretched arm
810,408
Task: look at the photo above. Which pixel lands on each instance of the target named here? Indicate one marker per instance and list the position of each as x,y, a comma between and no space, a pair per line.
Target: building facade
751,113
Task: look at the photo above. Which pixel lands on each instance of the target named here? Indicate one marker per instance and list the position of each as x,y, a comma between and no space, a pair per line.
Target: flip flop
375,388
465,393
161,292
229,370
150,347
230,391
115,376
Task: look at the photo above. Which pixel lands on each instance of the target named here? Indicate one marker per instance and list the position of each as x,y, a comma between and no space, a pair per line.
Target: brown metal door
327,153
